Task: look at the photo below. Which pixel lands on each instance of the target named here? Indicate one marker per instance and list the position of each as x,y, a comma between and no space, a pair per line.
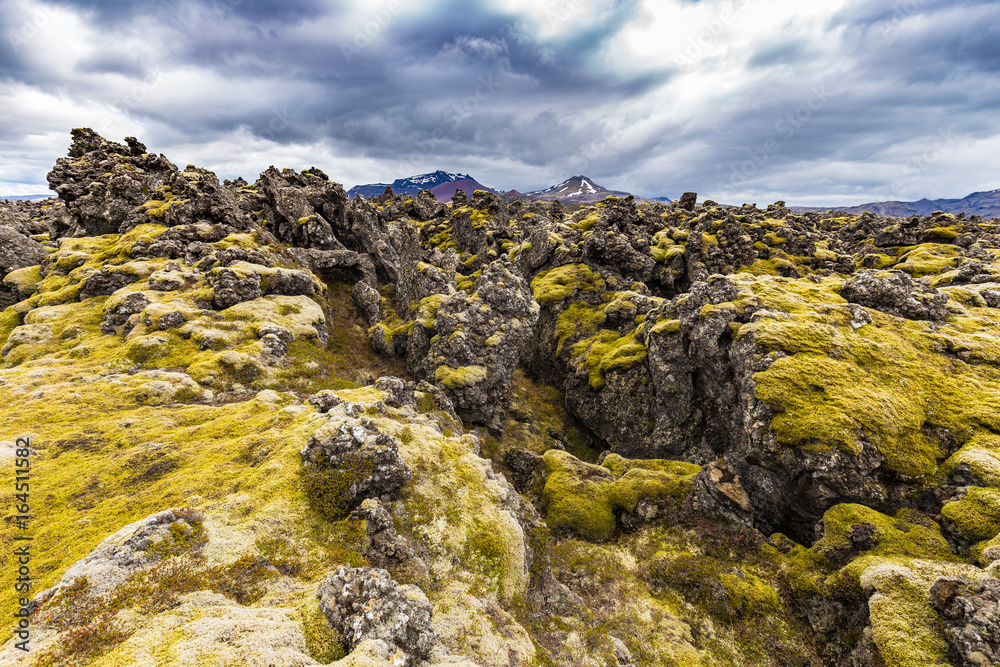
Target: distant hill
576,189
25,197
408,186
983,204
446,191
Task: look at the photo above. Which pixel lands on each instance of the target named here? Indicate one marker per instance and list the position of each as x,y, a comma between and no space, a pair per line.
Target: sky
830,102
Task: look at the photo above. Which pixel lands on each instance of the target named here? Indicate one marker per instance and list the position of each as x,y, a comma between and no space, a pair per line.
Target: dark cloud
122,11
778,54
455,82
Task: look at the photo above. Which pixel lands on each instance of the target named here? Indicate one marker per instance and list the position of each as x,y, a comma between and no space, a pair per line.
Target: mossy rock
583,498
562,282
977,514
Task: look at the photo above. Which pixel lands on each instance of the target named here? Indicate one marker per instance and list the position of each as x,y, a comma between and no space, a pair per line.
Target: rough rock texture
366,604
385,546
134,547
17,251
110,188
894,292
364,461
971,613
476,341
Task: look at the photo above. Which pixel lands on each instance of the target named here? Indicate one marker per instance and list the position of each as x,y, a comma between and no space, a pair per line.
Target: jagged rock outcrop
365,604
796,414
475,342
971,613
349,459
136,546
17,251
894,292
109,188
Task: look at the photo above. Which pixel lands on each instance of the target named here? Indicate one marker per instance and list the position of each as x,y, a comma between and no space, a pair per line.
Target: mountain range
984,204
24,197
410,186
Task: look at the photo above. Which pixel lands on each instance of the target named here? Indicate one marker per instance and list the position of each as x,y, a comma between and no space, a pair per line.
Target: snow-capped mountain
408,186
576,189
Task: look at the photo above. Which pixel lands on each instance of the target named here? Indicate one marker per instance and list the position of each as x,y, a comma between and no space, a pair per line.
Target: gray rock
135,547
18,251
476,343
398,392
367,604
364,460
970,612
106,281
384,545
109,188
119,314
895,293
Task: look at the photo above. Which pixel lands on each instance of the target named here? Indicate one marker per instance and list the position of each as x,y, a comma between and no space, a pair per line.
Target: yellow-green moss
608,351
977,515
562,282
928,258
323,643
582,498
885,383
463,376
158,208
578,320
889,537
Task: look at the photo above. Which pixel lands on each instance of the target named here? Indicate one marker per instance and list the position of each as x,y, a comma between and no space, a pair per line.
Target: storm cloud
740,100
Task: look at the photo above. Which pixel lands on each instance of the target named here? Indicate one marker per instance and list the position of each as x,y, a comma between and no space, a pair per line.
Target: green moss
463,376
583,498
329,490
323,643
24,280
183,539
157,208
905,627
587,223
928,258
619,465
977,515
749,595
885,383
982,456
564,281
726,592
851,530
608,351
426,310
666,327
578,320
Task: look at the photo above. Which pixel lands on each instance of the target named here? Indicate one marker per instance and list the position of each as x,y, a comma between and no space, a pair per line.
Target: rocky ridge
494,432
